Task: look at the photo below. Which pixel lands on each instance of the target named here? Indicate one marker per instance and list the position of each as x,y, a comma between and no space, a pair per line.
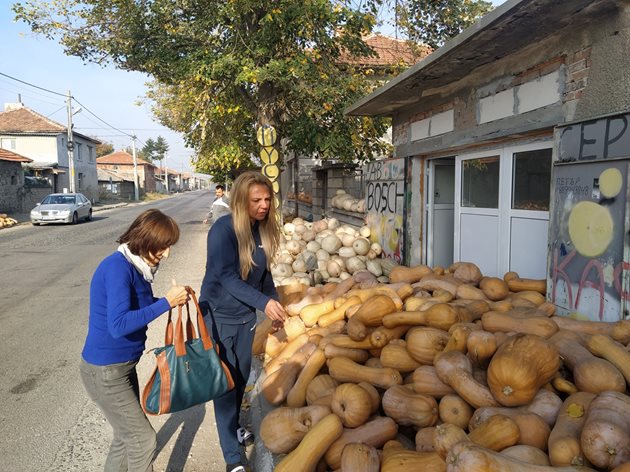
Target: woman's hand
275,311
177,295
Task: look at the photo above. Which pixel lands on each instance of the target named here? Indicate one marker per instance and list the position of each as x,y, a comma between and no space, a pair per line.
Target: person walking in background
220,206
236,283
121,306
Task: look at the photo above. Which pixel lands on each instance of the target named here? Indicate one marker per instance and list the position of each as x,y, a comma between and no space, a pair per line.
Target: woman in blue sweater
237,282
121,306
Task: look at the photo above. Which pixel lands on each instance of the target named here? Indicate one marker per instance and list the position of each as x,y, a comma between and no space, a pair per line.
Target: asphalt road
47,422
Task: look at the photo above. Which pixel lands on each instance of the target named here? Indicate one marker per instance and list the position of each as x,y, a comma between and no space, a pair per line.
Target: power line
100,119
31,85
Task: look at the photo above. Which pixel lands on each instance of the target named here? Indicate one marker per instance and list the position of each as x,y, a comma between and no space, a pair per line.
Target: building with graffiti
513,144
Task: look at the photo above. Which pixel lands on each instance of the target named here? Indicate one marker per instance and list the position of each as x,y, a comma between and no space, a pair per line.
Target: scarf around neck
147,272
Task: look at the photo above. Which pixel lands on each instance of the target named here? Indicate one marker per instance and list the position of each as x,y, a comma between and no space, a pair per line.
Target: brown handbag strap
180,348
168,335
201,324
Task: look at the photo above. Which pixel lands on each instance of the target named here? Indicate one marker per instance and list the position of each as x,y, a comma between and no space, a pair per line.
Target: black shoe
237,467
245,437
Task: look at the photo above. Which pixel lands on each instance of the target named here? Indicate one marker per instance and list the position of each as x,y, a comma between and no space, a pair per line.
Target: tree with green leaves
433,22
221,68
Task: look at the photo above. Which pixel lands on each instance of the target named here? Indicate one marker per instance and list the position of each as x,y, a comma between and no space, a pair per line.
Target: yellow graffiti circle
271,171
268,155
590,228
610,182
266,135
276,186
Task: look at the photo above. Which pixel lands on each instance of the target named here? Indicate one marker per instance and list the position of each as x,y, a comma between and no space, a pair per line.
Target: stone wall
15,197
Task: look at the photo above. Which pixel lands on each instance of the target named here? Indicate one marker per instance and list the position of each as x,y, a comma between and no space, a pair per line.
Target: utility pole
70,144
136,192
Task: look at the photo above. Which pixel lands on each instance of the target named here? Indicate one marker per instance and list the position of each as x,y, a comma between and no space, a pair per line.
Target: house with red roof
121,163
28,133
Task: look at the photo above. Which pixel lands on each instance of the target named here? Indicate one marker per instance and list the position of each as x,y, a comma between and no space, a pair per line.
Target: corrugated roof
390,51
106,175
6,155
121,158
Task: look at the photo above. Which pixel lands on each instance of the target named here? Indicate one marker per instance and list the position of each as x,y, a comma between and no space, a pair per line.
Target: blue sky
111,94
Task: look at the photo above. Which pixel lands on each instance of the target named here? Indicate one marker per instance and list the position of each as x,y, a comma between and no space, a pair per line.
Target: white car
62,208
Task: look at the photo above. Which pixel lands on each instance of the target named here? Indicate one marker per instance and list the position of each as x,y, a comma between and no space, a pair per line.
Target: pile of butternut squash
442,370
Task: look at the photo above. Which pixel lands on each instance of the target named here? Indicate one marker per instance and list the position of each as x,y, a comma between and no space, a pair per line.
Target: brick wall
578,67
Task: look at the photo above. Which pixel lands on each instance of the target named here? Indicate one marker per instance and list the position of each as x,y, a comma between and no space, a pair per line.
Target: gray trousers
114,388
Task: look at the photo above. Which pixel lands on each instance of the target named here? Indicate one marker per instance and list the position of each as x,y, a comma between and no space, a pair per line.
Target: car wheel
34,224
89,216
75,218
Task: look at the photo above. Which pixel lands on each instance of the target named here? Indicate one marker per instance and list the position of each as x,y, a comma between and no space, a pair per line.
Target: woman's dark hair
151,232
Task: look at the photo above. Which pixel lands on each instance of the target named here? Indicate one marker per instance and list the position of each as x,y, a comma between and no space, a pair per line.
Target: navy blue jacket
232,299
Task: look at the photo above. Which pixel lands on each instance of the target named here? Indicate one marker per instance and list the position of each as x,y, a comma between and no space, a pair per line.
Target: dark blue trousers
235,349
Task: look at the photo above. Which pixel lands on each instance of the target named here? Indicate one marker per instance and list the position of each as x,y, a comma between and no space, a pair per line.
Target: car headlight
35,213
64,212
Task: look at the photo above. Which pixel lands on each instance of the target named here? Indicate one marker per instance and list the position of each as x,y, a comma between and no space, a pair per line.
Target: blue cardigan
232,299
121,306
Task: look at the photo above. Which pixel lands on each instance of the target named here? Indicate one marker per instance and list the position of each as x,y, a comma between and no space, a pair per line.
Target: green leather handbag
189,370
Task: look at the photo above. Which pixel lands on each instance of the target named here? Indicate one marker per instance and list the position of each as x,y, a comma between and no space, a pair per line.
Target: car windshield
59,200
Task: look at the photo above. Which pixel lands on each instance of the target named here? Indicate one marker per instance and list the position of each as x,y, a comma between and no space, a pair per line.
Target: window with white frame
8,144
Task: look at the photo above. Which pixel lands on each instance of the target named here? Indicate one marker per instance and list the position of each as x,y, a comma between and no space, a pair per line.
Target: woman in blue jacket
237,282
121,306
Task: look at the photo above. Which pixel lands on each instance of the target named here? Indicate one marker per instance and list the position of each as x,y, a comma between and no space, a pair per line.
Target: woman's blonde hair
269,228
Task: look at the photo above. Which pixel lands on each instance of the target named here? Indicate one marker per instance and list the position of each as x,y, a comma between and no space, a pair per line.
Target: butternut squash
529,454
293,327
313,446
453,409
370,313
340,289
409,274
518,284
467,272
358,457
424,343
290,349
496,433
532,296
294,309
545,404
520,367
375,432
469,457
397,357
404,460
276,386
481,346
424,439
310,314
442,316
345,370
605,438
405,318
357,355
297,395
320,390
352,404
469,292
408,408
494,321
425,380
493,288
618,330
263,329
564,440
604,346
455,369
282,429
343,340
458,337
438,282
275,343
375,397
338,313
590,373
382,335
